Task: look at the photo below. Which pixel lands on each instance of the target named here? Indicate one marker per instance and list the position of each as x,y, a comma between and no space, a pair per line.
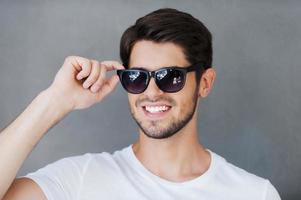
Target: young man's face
157,113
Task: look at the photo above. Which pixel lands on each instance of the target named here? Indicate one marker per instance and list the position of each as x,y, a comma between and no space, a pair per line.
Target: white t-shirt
121,176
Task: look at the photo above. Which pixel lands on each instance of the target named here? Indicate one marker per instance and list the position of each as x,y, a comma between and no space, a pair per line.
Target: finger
80,64
112,65
108,86
94,74
86,70
83,65
97,85
105,66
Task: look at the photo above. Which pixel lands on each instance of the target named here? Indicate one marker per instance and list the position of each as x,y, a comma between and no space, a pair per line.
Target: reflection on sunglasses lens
168,80
172,82
134,81
161,74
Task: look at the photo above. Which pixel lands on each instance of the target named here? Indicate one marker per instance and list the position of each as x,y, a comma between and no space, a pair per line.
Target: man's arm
18,139
79,84
24,188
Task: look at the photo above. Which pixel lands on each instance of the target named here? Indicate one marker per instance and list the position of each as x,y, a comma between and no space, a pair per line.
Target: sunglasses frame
152,74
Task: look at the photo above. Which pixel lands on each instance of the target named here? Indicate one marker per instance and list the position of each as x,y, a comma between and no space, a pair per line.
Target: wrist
56,100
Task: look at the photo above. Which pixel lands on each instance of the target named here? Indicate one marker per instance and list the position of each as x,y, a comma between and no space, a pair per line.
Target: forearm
21,136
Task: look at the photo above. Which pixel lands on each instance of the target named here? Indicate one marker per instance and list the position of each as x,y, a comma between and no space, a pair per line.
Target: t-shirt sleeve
271,192
61,179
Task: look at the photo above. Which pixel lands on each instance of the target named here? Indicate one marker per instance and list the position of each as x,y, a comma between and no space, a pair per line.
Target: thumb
108,86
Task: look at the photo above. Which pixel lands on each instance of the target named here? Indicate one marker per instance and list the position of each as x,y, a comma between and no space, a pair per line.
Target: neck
178,158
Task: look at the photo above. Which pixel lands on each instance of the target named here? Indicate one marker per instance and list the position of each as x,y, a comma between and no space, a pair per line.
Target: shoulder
64,178
73,167
86,160
235,174
234,177
104,162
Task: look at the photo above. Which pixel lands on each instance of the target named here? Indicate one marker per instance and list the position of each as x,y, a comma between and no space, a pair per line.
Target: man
167,55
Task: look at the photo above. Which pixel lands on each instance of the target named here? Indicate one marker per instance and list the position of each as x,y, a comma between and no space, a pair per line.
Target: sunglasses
168,79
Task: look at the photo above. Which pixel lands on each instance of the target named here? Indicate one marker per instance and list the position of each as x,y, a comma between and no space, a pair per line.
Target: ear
206,82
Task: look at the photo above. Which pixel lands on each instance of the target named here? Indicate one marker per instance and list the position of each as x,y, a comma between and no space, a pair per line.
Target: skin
179,157
81,83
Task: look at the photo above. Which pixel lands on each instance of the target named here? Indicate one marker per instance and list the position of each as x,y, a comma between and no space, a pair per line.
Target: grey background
252,117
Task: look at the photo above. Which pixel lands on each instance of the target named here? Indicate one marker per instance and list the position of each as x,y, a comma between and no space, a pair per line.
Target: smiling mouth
156,109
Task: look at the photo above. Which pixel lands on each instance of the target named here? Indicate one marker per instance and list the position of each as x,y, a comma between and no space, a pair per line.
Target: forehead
151,55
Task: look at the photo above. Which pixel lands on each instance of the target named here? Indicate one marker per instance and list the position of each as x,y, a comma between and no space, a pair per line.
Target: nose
152,89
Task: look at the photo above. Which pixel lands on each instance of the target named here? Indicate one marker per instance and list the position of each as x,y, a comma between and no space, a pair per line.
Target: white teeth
155,109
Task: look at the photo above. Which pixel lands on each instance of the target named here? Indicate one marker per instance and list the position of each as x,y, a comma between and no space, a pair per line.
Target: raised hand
82,82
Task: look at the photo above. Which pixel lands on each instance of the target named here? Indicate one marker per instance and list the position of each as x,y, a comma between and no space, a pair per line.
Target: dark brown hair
170,25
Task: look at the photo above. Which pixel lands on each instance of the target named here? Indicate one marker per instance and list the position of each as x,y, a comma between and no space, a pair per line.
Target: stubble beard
155,131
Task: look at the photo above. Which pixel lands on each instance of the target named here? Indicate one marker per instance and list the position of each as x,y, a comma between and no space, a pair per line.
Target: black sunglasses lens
134,81
170,80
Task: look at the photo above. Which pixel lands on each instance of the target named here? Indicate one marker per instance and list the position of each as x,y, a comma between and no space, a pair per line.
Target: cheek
184,105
